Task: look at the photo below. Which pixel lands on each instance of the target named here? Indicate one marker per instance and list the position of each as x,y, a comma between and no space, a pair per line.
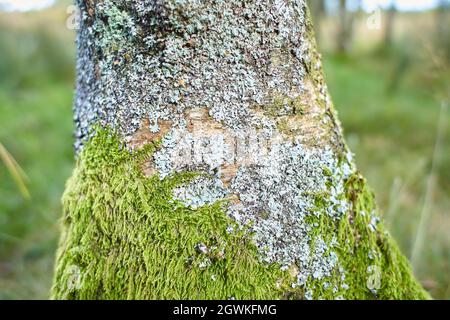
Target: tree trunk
211,164
389,26
317,12
345,31
442,34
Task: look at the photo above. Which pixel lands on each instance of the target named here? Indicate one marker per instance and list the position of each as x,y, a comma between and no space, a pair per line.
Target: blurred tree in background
389,25
317,8
345,30
442,37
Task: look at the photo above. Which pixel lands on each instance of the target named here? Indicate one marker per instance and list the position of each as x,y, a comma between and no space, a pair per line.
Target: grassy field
390,115
393,137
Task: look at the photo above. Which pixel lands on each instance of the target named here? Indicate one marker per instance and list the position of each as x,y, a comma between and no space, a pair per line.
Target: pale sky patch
403,5
25,5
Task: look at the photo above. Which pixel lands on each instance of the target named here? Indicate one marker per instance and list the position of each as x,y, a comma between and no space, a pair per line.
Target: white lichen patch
276,197
278,194
183,150
200,192
276,185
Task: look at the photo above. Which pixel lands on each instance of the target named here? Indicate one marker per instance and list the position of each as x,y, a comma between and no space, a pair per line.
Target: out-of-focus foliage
36,90
15,170
388,98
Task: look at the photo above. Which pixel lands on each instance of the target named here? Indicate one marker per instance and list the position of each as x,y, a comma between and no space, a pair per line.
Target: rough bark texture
211,163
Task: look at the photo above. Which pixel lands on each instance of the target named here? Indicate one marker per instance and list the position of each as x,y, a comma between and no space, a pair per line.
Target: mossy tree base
125,237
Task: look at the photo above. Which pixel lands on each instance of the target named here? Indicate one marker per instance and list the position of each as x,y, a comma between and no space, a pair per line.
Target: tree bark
211,164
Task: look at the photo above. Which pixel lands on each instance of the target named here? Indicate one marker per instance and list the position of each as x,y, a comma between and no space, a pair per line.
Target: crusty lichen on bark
157,60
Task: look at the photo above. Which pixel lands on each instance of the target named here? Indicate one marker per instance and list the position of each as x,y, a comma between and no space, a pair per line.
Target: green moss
284,106
374,266
123,237
373,246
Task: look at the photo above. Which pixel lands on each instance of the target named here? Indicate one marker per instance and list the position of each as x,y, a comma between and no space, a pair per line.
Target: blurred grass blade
15,170
425,215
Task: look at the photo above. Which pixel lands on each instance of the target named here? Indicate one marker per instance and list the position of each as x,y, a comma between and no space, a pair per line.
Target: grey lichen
183,150
276,198
200,192
157,59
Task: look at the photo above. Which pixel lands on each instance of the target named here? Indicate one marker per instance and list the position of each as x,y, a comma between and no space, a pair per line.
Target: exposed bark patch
307,119
201,124
143,136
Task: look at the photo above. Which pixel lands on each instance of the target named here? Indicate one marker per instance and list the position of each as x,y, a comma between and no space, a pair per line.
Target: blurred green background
390,82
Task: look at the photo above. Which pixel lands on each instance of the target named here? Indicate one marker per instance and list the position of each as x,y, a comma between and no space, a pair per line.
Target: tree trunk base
125,236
